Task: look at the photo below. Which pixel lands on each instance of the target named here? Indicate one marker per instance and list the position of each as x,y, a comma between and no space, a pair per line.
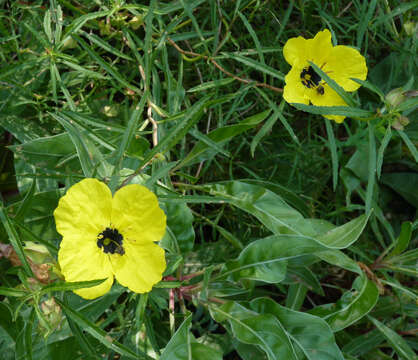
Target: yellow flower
105,237
340,63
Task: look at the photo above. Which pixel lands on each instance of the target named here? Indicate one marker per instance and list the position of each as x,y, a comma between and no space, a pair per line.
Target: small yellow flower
340,63
105,237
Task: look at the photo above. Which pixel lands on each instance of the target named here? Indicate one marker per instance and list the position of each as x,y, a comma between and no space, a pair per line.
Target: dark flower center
309,77
111,241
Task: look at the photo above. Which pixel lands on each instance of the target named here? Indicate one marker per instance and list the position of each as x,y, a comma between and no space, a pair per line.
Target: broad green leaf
274,213
266,259
398,343
262,330
183,346
180,235
265,205
311,334
202,151
404,184
352,306
343,236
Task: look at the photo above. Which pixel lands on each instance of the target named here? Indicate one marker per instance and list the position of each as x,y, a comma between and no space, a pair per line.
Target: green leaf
210,85
183,346
402,242
256,65
404,184
266,128
334,110
67,286
412,148
15,240
398,343
180,235
98,333
110,69
337,88
311,334
266,259
5,291
352,306
263,330
265,205
129,132
381,151
178,131
372,168
202,151
343,236
83,146
334,156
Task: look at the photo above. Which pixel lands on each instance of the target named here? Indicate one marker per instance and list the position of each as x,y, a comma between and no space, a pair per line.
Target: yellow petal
80,259
319,48
137,215
329,98
294,51
140,267
84,209
294,91
345,63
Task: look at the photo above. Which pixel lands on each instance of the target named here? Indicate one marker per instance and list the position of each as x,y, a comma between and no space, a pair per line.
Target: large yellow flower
105,237
340,63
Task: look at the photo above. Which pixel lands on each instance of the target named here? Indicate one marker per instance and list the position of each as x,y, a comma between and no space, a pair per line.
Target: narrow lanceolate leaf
179,130
334,110
311,334
85,157
402,242
15,240
396,341
5,291
202,151
334,156
263,330
111,70
130,131
66,286
98,333
337,88
256,65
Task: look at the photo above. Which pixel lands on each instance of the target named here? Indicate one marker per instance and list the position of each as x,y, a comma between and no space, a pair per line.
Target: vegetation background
289,236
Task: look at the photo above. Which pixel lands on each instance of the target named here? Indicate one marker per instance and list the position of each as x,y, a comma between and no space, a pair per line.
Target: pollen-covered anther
110,240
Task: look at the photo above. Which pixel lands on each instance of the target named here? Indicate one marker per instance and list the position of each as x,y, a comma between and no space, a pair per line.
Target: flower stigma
111,241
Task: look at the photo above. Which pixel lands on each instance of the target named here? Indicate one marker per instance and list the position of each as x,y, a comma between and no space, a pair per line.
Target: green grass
266,202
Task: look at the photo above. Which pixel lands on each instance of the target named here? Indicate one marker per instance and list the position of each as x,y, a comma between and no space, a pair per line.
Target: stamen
111,241
309,77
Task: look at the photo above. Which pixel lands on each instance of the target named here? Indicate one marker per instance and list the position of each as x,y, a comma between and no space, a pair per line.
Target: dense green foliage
289,236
